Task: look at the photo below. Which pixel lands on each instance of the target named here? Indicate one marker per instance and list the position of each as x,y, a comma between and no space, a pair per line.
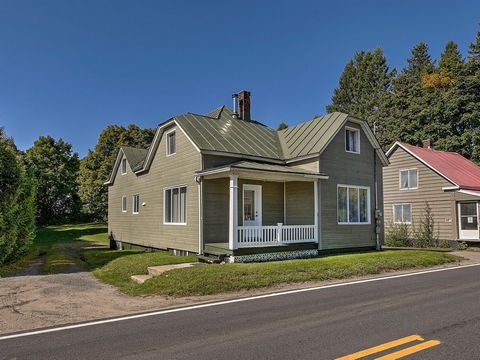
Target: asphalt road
321,324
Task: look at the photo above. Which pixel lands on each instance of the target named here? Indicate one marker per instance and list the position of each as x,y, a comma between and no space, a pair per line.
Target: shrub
398,235
425,235
17,204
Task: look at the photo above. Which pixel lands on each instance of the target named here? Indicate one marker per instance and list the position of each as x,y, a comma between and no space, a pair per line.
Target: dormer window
352,140
171,143
124,166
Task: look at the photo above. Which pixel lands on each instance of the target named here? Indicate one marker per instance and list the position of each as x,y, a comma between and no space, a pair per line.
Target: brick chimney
427,144
244,105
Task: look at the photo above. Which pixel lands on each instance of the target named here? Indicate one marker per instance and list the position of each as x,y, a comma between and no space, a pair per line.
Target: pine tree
363,86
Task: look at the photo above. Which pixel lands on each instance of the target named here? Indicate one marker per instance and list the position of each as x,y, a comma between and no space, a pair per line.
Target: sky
69,68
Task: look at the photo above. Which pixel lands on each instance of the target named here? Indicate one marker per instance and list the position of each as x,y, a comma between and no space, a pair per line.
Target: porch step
140,279
211,259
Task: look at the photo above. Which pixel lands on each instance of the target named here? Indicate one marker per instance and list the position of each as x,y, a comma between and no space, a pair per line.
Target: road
433,316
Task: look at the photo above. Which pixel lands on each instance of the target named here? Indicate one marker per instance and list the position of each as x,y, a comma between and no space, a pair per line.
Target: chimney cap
427,143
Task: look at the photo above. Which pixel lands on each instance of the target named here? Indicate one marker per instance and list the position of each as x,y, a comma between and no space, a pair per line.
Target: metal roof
219,131
310,137
452,166
135,156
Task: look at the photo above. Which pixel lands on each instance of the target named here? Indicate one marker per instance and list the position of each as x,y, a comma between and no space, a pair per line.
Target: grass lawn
49,243
213,279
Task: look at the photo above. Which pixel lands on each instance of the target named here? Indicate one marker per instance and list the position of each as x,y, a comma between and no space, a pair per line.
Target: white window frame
357,131
369,209
402,222
408,178
164,203
124,202
167,142
124,161
133,204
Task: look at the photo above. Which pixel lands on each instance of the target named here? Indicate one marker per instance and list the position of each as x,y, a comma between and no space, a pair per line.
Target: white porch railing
251,236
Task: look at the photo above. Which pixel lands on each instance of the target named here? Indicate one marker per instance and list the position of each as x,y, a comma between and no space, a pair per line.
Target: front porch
248,212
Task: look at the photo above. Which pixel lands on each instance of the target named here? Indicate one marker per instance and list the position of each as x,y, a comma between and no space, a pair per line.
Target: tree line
49,184
427,99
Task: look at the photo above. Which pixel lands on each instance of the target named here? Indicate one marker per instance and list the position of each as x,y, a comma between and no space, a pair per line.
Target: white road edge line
200,306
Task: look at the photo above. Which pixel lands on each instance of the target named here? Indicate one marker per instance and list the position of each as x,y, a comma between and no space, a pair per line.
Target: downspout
377,210
199,181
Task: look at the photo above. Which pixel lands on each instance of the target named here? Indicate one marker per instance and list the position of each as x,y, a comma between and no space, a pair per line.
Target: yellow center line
411,350
380,348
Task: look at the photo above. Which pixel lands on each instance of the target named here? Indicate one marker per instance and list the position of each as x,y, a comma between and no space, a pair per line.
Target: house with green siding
227,187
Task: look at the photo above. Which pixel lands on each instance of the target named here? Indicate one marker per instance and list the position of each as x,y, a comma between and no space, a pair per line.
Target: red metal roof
455,167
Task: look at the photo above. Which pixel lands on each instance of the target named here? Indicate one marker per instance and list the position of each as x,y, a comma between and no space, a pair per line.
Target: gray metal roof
256,166
135,156
219,131
310,137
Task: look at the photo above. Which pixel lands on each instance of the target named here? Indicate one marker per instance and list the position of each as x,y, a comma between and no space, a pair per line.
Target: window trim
165,213
402,222
369,203
133,204
124,202
400,179
167,137
124,161
357,131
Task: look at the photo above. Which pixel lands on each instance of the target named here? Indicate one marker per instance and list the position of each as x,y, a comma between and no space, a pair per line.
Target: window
352,140
124,166
171,143
402,213
175,205
353,204
124,203
135,204
408,179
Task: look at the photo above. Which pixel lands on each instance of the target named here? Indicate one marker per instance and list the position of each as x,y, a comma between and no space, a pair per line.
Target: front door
252,205
468,220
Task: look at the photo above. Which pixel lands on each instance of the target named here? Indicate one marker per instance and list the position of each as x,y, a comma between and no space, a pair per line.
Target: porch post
233,213
315,195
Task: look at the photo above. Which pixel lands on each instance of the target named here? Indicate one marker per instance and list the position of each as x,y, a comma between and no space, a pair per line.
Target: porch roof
256,167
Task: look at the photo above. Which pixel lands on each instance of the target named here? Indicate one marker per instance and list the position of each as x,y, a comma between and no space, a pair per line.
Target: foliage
398,235
364,84
55,168
96,167
424,100
425,236
282,126
17,203
462,245
214,279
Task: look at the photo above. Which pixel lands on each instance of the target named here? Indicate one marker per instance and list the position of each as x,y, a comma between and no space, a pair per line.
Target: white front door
468,220
252,205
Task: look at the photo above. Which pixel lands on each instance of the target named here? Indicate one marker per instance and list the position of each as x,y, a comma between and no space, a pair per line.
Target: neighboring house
224,185
448,181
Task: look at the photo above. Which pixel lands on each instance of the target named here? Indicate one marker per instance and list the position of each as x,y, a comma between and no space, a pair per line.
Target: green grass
213,279
48,241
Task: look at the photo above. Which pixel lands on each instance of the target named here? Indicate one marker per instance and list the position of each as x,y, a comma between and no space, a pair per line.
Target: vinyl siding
300,203
429,189
147,228
348,169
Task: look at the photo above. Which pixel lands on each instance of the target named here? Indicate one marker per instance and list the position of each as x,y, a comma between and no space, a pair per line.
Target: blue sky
69,68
